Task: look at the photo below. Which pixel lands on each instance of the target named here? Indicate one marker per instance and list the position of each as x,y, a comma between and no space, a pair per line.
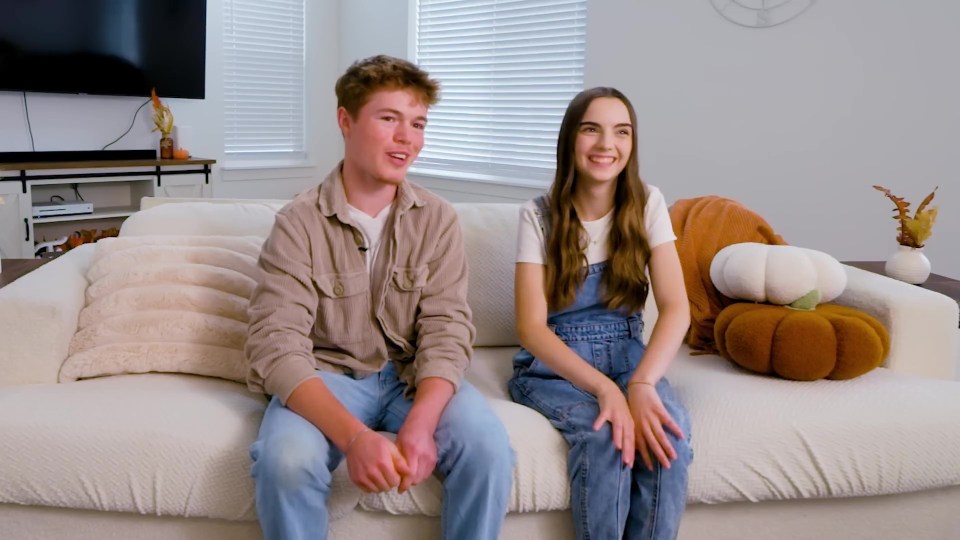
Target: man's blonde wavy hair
365,77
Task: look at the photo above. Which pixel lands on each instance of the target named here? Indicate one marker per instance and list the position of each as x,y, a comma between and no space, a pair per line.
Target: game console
49,209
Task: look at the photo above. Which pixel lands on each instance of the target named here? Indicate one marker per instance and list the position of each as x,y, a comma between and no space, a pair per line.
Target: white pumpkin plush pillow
783,275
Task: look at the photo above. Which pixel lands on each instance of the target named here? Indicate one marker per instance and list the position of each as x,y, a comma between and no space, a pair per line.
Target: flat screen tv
104,47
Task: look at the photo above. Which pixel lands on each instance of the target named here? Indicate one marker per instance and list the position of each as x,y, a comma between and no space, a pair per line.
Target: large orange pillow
831,341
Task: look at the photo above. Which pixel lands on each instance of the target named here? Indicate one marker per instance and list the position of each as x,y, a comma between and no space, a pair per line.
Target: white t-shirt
372,229
531,244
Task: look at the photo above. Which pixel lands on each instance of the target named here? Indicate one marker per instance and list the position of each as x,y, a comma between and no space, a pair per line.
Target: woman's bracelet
631,383
354,439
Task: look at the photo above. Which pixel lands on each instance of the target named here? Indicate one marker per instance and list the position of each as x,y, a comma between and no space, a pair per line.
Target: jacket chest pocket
402,300
343,310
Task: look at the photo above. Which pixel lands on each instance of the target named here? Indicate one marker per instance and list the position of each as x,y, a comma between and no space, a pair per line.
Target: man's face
386,136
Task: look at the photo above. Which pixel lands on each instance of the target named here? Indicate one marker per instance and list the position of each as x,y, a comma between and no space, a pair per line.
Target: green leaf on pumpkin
806,302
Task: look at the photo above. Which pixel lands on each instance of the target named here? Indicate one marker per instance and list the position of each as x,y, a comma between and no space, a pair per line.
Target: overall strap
542,211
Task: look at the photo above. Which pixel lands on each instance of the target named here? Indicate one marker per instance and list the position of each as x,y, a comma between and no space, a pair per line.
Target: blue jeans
608,499
293,461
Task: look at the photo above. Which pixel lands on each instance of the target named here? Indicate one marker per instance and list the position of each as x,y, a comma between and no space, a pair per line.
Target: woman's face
604,140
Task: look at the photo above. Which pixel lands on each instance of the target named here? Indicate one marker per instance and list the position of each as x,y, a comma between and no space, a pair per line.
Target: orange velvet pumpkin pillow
831,341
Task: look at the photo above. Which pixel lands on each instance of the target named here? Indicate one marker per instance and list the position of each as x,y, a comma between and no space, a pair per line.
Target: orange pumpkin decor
181,153
86,236
831,341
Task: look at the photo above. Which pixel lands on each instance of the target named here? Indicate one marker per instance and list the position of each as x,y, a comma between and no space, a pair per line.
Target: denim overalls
608,499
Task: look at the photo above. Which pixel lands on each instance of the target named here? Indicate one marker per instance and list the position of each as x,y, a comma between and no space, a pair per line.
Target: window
508,69
264,89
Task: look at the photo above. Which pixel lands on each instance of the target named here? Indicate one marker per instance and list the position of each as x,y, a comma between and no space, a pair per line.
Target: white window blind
264,89
508,69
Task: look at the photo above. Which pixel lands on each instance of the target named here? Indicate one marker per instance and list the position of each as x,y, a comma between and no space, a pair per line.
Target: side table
937,283
11,269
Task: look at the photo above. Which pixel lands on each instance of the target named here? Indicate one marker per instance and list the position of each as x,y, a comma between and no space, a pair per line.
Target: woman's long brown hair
625,282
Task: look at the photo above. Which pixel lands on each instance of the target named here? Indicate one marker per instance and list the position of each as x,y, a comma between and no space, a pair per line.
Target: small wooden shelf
114,186
102,213
145,176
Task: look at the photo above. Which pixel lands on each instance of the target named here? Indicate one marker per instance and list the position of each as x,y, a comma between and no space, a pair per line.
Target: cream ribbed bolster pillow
174,304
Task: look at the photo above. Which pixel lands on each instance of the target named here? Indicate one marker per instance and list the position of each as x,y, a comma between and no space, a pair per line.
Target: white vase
908,264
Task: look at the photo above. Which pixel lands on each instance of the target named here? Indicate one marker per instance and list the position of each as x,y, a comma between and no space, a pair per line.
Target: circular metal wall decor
760,13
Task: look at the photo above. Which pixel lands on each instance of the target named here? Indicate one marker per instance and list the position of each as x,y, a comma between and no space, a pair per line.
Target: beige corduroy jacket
317,307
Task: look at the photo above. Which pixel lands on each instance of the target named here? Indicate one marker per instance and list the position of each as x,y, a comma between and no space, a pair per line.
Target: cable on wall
29,127
132,122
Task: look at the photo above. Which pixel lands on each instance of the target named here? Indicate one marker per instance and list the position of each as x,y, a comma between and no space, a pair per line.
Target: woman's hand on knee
651,417
614,409
375,464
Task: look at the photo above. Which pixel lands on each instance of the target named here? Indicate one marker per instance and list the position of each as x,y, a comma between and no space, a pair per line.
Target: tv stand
114,186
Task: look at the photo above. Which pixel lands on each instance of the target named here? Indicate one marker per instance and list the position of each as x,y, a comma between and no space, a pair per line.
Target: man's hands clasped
377,464
374,462
419,448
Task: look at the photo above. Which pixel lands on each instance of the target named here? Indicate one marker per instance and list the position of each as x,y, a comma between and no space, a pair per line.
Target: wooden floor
11,269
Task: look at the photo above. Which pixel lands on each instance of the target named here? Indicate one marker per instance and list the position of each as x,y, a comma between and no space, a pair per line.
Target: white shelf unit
114,189
102,213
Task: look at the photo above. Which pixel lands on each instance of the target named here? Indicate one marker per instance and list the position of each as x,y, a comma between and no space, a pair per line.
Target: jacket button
338,288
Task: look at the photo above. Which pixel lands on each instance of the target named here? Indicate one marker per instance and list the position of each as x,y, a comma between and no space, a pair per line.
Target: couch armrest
38,317
924,339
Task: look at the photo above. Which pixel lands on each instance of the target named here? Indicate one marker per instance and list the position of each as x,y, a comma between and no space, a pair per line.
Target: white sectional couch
165,455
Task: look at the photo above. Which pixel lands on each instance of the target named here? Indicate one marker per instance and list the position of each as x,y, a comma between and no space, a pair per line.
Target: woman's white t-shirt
531,244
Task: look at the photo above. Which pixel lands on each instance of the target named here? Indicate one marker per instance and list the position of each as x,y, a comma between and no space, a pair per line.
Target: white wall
799,120
371,27
73,122
796,121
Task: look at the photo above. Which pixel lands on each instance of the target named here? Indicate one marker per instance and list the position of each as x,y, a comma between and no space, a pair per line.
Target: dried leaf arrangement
914,231
162,117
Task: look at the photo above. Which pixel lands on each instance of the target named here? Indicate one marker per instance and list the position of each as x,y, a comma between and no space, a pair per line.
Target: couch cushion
490,237
755,438
224,218
178,445
149,444
157,444
760,438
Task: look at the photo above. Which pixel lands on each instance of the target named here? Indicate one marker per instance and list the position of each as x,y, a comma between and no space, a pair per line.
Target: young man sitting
360,324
